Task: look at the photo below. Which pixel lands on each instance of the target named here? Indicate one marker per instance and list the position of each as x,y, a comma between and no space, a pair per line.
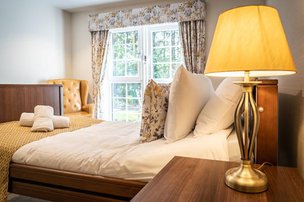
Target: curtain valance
176,12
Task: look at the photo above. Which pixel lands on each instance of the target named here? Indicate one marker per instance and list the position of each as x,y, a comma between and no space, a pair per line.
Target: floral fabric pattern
193,42
154,111
189,10
99,41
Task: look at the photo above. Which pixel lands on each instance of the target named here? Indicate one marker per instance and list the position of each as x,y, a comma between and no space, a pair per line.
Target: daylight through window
136,55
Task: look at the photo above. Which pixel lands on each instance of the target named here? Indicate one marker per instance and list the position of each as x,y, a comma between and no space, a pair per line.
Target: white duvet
113,149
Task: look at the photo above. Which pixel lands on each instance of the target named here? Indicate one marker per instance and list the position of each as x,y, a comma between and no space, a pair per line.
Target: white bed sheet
113,149
233,147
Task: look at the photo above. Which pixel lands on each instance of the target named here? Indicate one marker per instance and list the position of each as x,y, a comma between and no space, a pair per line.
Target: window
136,55
166,53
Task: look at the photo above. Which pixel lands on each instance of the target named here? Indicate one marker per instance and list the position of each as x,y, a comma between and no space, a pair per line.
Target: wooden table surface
189,179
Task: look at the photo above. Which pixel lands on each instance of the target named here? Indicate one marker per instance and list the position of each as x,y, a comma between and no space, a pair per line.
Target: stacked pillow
218,114
189,93
173,111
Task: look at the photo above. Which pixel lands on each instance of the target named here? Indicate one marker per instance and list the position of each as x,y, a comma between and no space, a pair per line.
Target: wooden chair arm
89,108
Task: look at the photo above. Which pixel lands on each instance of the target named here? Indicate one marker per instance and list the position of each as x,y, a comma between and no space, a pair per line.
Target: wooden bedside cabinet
189,179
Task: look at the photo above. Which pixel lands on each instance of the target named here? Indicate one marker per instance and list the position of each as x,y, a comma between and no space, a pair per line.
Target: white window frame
145,69
150,29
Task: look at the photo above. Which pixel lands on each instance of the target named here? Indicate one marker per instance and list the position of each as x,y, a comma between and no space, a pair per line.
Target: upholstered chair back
75,94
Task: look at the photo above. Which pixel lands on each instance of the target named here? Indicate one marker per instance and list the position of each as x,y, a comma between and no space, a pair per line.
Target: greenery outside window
136,55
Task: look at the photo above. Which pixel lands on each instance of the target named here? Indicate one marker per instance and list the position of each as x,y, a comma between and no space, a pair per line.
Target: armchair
75,97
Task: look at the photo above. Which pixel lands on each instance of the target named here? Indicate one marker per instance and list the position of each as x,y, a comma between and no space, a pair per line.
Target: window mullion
144,59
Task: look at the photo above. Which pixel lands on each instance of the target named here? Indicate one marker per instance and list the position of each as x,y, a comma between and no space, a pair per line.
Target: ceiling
93,5
72,4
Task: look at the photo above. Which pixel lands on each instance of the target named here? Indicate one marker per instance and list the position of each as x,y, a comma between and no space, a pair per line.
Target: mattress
113,149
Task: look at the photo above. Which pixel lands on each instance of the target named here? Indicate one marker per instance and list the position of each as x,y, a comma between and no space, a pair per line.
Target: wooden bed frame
57,185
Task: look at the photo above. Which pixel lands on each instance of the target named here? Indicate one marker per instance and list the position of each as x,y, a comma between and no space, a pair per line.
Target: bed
55,184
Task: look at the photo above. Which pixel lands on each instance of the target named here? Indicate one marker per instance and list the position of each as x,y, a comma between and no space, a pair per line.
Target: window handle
145,58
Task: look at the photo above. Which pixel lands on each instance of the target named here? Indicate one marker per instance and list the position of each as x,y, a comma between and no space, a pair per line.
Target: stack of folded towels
43,119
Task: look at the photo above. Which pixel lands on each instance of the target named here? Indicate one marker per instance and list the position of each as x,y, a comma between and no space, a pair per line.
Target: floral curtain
193,41
189,10
99,42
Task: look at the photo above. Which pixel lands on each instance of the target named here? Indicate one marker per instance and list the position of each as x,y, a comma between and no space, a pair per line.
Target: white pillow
218,114
189,93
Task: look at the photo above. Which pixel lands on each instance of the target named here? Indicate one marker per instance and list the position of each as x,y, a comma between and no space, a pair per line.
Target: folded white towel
42,124
26,119
61,121
43,111
43,118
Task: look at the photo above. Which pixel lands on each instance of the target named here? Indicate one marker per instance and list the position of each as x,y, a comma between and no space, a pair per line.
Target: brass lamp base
246,179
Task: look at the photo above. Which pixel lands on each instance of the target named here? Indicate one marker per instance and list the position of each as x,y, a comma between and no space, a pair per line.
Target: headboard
267,138
18,98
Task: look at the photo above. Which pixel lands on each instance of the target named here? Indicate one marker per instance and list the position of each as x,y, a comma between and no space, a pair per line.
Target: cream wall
291,88
34,42
81,47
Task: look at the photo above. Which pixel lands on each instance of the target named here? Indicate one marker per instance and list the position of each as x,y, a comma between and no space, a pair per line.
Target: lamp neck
246,76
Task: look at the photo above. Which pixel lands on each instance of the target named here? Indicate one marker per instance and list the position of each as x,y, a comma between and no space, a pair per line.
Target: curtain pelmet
189,10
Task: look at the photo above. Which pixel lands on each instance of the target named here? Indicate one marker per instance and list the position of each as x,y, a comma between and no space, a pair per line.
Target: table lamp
248,42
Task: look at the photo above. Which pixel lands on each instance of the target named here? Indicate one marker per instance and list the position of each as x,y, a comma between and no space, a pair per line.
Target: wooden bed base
57,185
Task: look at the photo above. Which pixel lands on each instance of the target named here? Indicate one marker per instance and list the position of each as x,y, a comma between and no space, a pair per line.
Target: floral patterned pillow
154,111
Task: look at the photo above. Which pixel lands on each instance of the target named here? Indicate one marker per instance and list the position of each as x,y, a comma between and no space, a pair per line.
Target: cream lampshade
248,42
250,39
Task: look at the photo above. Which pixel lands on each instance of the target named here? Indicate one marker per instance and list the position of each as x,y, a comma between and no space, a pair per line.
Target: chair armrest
89,108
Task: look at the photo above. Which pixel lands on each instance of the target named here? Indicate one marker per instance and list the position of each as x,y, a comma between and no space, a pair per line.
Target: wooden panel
190,179
56,194
267,140
18,98
87,183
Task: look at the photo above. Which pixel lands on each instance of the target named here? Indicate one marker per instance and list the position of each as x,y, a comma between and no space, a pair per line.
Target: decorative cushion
189,93
218,114
154,111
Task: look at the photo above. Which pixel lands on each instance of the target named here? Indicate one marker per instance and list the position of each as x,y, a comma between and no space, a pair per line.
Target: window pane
119,104
167,41
132,37
174,68
134,90
119,90
120,116
161,55
133,105
118,52
119,68
176,54
161,71
126,107
132,117
175,38
132,51
118,38
158,39
132,68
